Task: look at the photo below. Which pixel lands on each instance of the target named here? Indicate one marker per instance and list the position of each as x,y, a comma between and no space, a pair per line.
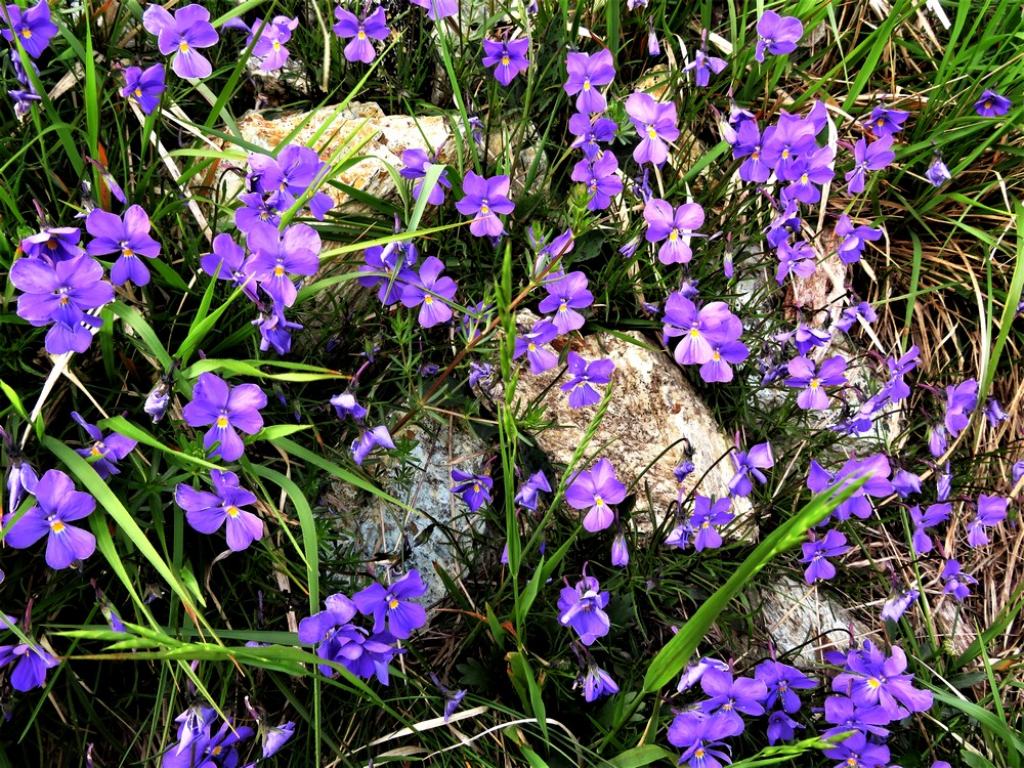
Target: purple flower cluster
207,512
708,336
598,171
197,744
339,640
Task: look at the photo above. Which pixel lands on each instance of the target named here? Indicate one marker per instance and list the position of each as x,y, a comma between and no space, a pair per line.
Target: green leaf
523,674
637,757
122,426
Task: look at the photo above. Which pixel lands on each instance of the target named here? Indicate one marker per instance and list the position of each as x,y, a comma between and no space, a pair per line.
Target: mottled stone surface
804,621
439,531
653,417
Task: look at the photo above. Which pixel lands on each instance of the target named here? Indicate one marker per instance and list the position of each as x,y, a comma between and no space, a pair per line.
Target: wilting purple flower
431,293
270,47
226,409
873,679
700,738
566,294
991,512
275,737
60,294
377,437
675,227
729,697
452,700
897,606
694,672
886,122
57,504
656,123
582,608
961,399
373,27
507,58
532,344
620,550
796,258
944,483
596,490
105,451
937,440
275,329
817,552
438,9
812,380
937,173
994,413
747,144
782,681
144,86
591,131
21,482
703,66
850,315
584,376
53,244
777,34
32,27
182,34
129,237
781,727
600,176
701,331
415,164
597,683
586,73
206,512
956,583
475,490
345,404
707,517
157,401
868,157
854,239
483,198
30,661
394,605
526,496
992,104
859,752
749,465
906,483
276,255
935,514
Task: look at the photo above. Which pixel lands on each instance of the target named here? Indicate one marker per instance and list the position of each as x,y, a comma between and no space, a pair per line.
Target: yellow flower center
183,46
651,132
216,750
393,603
476,487
694,333
874,683
485,208
57,526
138,92
562,307
880,122
361,35
803,178
598,501
96,450
231,511
222,421
586,84
673,235
852,762
127,252
276,45
64,300
815,383
755,154
785,154
278,271
699,753
26,33
504,61
52,244
988,105
532,347
428,300
716,356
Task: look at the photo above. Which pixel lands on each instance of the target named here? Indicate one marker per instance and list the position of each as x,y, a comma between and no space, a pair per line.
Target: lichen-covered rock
441,529
803,621
654,420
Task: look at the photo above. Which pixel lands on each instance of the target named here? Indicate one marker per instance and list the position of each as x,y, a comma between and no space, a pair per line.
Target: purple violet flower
225,409
206,512
431,293
854,239
600,175
507,58
415,164
582,608
270,48
566,294
875,467
816,554
275,737
144,86
377,437
475,490
868,157
781,727
620,550
885,121
596,490
32,27
226,261
53,244
57,504
961,399
532,344
937,173
105,451
656,123
992,104
777,34
873,679
894,609
955,582
345,404
394,605
858,752
749,465
584,376
373,27
586,73
991,511
591,131
31,662
934,515
60,295
747,144
812,380
675,227
703,66
707,517
182,34
276,255
129,237
483,198
729,697
700,737
527,495
782,681
713,325
438,9
597,683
